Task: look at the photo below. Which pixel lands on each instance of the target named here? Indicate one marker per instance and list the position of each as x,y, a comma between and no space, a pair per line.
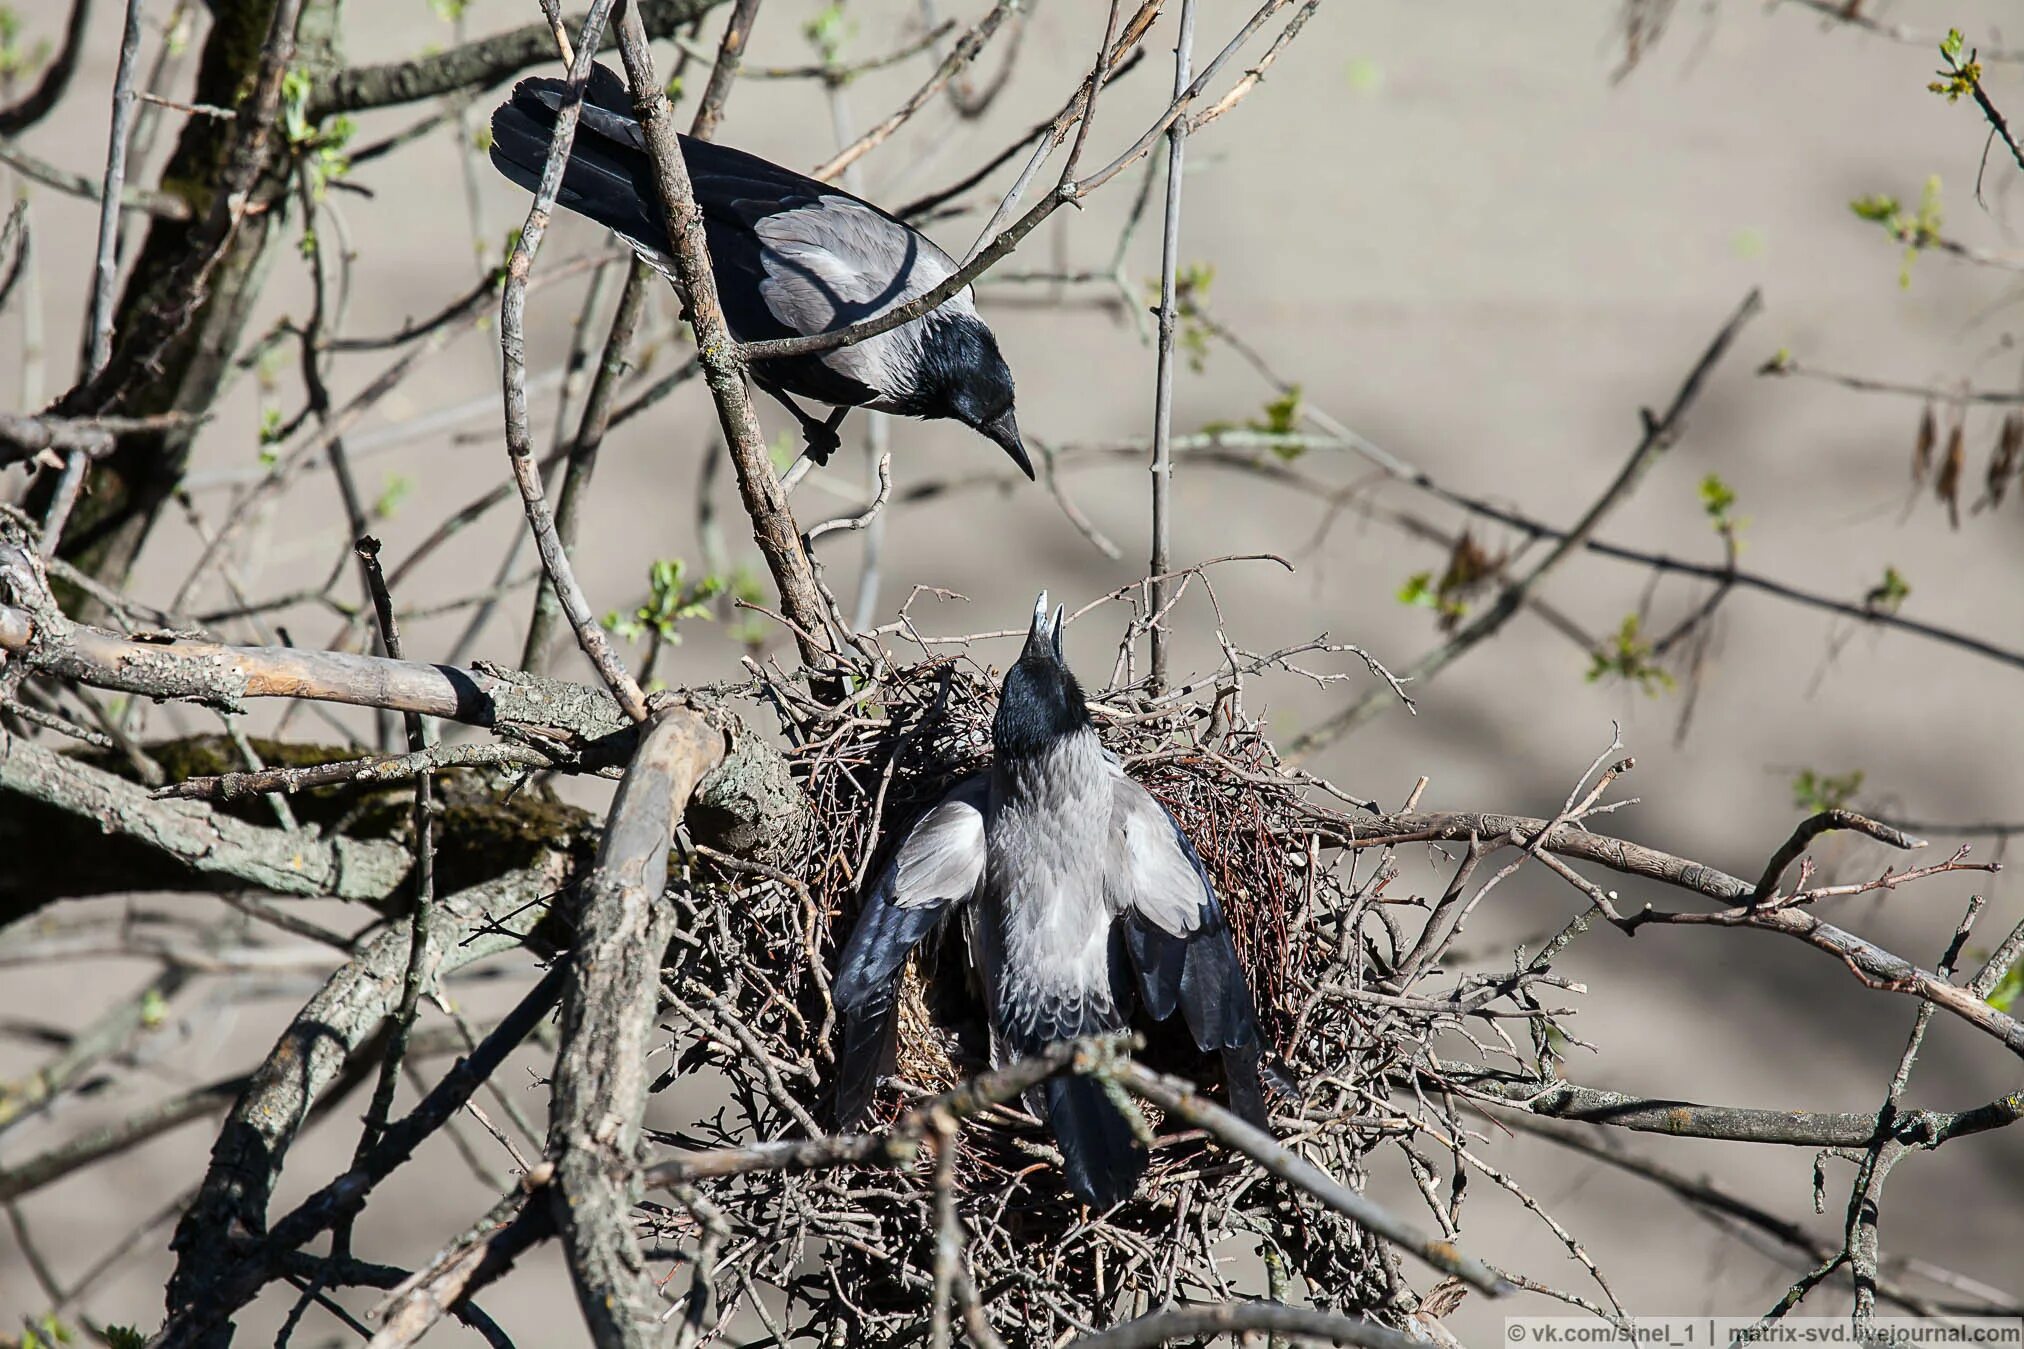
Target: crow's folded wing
792,256
938,865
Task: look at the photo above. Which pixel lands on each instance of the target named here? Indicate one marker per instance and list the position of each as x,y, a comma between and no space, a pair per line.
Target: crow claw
821,439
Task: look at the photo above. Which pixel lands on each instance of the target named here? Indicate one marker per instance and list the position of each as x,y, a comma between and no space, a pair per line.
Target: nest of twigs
850,1253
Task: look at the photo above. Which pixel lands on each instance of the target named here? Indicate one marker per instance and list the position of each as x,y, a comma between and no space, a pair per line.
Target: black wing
1180,944
940,864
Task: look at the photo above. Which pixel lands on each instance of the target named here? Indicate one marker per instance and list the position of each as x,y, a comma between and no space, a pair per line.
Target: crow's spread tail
609,178
1100,1150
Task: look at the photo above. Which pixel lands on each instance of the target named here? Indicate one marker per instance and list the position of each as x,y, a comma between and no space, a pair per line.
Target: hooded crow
1082,899
793,257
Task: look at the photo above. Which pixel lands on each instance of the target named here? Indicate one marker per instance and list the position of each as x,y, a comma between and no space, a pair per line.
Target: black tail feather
869,1052
1247,1092
607,180
1100,1150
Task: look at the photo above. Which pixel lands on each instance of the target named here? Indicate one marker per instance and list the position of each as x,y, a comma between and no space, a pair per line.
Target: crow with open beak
1082,899
793,257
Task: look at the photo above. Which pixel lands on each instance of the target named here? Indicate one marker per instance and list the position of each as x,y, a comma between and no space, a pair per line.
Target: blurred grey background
1463,239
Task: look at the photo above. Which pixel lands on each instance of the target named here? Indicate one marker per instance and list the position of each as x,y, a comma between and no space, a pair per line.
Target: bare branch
608,1007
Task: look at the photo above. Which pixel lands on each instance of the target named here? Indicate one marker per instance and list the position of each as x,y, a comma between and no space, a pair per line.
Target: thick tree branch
612,993
479,64
749,807
210,844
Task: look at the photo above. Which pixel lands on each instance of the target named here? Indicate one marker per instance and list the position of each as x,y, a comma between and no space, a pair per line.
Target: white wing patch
943,858
1149,874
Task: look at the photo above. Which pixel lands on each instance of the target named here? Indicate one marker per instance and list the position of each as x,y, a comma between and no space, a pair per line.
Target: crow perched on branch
793,258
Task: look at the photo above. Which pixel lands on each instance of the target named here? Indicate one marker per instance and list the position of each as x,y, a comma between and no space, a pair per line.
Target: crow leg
818,434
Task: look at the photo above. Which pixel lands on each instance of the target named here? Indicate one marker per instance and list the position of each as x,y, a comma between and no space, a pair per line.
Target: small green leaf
1627,655
670,603
392,495
17,62
1716,496
1888,595
2008,990
1282,414
1814,792
828,31
1718,500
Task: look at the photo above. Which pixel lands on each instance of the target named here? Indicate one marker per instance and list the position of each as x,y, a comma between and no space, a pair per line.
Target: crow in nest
1083,900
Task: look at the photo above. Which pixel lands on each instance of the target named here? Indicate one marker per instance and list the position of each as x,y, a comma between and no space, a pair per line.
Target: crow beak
1004,429
1043,639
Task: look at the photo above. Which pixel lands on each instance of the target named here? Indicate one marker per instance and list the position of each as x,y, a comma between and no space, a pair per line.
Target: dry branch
478,64
247,1159
608,1007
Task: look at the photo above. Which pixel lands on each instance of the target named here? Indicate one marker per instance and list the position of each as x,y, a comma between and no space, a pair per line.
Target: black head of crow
1040,704
792,257
1082,901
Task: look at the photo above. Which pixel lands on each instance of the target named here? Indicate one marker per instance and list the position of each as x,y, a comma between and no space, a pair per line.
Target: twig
1163,387
1659,434
724,70
1002,243
582,455
513,346
960,55
421,915
864,517
375,769
1842,12
106,266
1814,826
1181,1101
